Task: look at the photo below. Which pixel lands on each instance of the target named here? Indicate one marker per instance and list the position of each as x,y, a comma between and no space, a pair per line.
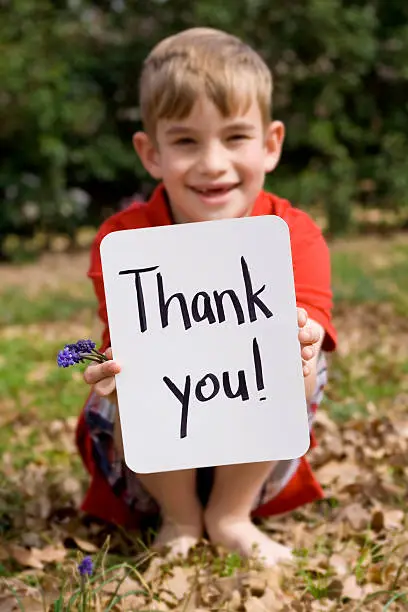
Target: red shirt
311,267
310,254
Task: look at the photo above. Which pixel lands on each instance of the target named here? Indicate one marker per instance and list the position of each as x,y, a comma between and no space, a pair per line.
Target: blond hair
202,61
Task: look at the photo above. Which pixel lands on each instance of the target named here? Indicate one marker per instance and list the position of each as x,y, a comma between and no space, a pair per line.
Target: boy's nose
213,160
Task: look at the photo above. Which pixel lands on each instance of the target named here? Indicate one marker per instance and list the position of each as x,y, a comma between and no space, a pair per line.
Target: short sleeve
95,274
312,274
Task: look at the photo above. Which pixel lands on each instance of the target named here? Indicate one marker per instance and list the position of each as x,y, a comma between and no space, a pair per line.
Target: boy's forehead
243,116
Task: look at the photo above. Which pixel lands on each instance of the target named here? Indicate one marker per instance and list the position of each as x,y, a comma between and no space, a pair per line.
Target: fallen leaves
35,557
351,549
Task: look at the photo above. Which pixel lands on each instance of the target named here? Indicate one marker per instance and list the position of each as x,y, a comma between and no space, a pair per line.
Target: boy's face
212,167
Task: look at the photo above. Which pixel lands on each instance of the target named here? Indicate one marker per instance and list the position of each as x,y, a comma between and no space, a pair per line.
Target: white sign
203,321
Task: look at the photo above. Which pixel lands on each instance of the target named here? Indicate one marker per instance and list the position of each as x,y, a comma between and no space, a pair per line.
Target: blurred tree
69,72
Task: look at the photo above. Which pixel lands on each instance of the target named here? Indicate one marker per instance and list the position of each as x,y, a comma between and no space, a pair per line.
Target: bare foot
176,539
242,536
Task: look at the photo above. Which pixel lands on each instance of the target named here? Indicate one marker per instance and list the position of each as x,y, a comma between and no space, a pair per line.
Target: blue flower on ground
85,568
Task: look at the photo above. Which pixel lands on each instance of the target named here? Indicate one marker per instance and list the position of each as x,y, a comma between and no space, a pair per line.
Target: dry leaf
128,589
30,604
351,589
335,589
51,554
235,601
84,545
178,584
8,604
26,557
270,600
227,585
256,585
357,516
253,604
154,572
339,564
339,472
377,521
36,557
393,519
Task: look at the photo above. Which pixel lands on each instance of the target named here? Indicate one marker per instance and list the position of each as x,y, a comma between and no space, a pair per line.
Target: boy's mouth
215,190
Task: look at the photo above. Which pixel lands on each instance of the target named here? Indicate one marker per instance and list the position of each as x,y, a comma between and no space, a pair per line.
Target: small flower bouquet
81,351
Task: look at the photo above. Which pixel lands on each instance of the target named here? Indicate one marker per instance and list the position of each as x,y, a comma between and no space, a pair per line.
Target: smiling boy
205,100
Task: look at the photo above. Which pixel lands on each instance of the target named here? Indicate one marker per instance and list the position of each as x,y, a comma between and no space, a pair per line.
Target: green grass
30,377
373,275
16,308
352,283
35,391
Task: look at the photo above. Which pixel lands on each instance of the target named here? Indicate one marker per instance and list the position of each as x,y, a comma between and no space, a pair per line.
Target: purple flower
68,357
81,350
85,346
85,568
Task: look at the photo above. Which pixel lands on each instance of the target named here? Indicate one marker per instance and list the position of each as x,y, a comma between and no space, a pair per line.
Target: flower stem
90,357
101,355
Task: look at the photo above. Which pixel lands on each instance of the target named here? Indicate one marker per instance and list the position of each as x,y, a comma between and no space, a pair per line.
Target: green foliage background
69,72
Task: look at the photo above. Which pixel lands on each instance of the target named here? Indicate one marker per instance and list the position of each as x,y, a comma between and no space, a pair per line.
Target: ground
351,549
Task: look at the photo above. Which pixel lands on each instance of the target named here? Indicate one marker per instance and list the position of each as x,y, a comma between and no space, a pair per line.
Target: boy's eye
238,137
184,141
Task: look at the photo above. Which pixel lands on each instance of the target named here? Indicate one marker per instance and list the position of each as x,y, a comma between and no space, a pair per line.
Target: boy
205,102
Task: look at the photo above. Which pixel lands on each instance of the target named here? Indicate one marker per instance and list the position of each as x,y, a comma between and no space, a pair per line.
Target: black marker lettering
207,310
201,383
184,399
218,297
164,305
252,298
139,294
258,367
242,390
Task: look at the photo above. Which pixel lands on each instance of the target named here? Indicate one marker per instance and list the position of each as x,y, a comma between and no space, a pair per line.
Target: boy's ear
274,137
148,153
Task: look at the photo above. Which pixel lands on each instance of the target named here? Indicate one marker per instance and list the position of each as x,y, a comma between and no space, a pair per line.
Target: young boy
209,140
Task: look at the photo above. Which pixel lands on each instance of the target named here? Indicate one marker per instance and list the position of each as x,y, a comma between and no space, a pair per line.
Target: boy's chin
229,211
196,212
218,215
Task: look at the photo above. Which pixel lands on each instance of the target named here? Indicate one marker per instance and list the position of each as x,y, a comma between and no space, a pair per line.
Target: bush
69,73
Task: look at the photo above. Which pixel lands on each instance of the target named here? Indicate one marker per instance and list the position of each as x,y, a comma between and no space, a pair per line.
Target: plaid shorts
100,417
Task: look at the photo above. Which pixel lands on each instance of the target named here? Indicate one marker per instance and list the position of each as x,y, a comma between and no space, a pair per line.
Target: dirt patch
52,272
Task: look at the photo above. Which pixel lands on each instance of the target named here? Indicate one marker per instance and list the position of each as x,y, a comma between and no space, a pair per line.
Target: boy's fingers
302,317
108,353
94,373
105,387
309,335
308,352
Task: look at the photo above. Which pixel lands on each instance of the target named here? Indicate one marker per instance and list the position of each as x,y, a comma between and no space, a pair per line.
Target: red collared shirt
310,254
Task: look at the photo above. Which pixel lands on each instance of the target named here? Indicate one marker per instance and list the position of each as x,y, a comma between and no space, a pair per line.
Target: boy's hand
102,377
310,338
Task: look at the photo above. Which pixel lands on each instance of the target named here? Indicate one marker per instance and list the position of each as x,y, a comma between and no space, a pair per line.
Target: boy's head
205,100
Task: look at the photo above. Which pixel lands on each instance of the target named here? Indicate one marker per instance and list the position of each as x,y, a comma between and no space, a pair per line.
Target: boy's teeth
214,190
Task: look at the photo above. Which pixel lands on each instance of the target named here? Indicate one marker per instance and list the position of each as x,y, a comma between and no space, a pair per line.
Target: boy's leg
228,514
181,510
